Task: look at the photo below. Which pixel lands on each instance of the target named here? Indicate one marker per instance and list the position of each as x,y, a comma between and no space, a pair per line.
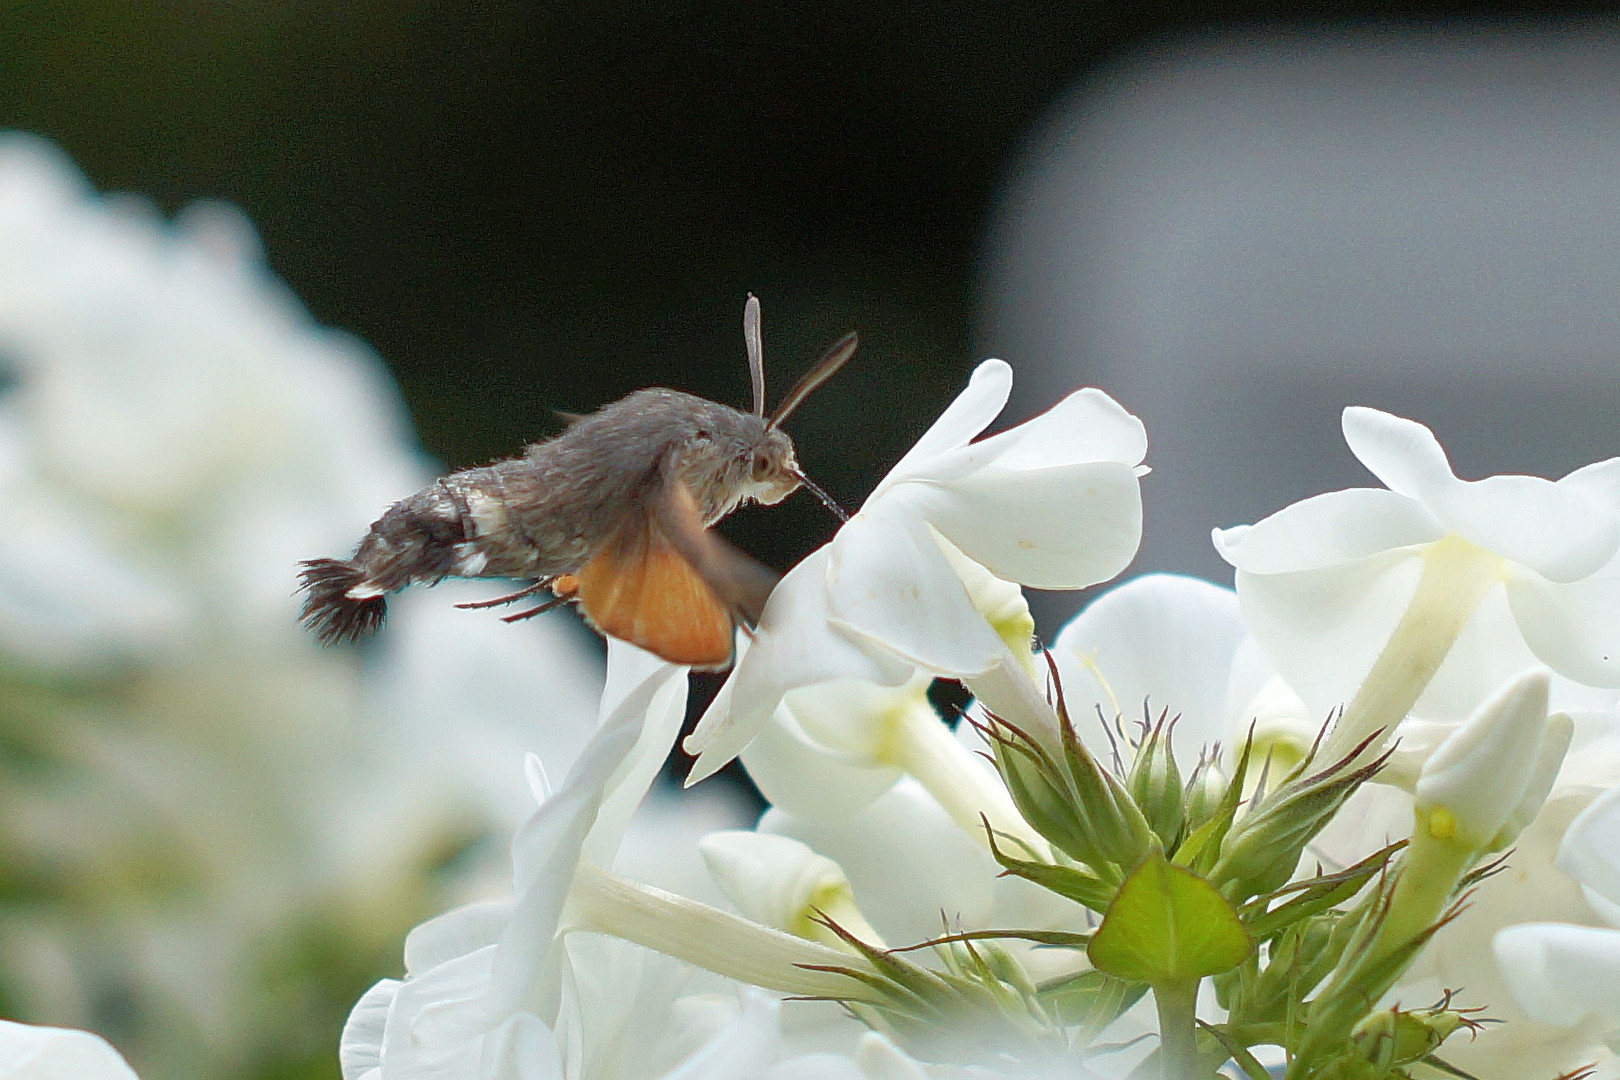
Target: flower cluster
1355,819
1375,777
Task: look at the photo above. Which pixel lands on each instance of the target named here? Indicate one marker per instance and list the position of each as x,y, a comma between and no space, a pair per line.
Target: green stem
1456,576
1178,1029
1432,866
709,938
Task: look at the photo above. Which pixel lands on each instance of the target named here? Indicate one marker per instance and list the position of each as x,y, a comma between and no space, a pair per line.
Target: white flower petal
1593,761
793,646
889,583
48,1053
803,777
659,720
455,933
880,1059
1085,427
1561,974
1556,532
1058,528
742,1050
1550,755
1591,848
855,718
1159,642
773,880
822,1066
1481,773
525,1049
360,1048
1402,453
974,408
1572,628
1598,482
1324,628
1328,530
547,851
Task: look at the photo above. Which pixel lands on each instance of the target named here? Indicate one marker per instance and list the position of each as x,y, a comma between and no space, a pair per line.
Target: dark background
526,207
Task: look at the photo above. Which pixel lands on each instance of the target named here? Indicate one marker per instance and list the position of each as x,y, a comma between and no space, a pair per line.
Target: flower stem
1456,576
709,938
1434,861
1178,1029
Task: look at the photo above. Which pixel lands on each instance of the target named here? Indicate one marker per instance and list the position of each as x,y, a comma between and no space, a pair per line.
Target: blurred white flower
484,984
1568,976
197,801
1460,583
1052,503
47,1053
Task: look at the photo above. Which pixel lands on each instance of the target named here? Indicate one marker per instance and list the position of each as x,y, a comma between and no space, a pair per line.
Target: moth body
614,513
543,515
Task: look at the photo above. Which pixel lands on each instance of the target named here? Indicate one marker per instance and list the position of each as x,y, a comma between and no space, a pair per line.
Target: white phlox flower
1530,886
50,1053
913,872
782,883
1052,503
482,992
1460,582
1160,644
1565,976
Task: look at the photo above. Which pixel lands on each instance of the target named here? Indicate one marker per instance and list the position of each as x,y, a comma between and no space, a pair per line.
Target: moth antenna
824,369
826,500
756,353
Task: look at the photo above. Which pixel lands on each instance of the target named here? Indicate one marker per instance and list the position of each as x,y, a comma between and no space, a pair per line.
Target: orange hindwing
639,589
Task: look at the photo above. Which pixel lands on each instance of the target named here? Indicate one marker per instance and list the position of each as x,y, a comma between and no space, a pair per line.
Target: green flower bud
1155,784
1262,851
1072,801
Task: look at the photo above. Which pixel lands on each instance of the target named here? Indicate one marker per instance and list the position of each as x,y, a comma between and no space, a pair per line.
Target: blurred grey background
1238,236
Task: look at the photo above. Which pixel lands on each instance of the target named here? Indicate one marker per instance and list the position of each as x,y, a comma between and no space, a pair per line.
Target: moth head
773,471
734,458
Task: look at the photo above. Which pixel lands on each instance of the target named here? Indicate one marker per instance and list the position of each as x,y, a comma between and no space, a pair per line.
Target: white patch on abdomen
470,562
488,513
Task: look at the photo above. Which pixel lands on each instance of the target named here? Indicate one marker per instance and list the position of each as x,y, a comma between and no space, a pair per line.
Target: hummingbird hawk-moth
613,514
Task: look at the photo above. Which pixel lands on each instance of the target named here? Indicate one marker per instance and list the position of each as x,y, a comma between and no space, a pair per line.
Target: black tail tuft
329,611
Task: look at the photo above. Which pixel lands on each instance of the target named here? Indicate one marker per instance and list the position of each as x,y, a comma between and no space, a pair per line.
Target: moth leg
554,602
508,599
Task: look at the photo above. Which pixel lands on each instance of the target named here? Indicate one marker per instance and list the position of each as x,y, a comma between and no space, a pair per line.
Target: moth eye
762,466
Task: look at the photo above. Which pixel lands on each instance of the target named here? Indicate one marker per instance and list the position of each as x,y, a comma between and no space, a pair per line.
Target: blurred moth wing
671,586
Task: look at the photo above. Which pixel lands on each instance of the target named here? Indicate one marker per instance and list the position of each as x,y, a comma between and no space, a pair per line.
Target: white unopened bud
1487,771
783,884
